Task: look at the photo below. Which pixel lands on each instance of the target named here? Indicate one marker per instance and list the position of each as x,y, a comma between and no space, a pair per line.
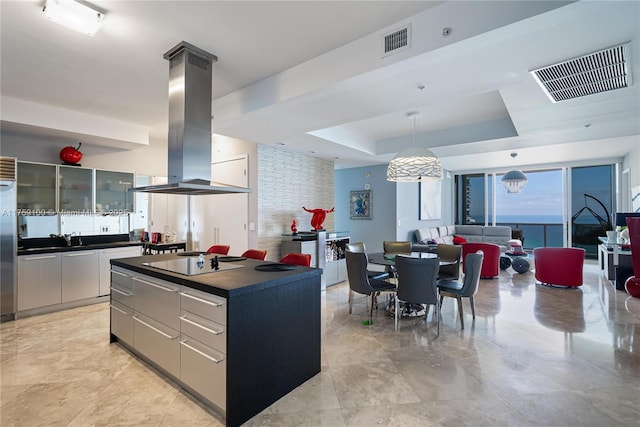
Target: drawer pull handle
118,273
39,257
117,309
126,294
214,332
79,254
215,304
201,353
155,329
164,288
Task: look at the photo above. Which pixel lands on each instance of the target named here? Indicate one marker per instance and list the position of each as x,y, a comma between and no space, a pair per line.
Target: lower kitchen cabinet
204,370
39,281
106,255
158,342
80,275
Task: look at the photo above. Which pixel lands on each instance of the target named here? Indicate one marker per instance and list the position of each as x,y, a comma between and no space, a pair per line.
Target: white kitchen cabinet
80,275
39,281
106,255
223,218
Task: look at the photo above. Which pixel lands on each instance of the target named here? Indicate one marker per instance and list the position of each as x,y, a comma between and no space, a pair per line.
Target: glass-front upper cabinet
75,189
36,193
112,191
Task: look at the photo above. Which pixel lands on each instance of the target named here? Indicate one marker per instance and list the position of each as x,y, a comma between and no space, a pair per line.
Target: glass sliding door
592,204
536,210
472,199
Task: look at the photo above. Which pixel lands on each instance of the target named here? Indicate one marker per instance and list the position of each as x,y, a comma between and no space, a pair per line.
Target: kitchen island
236,338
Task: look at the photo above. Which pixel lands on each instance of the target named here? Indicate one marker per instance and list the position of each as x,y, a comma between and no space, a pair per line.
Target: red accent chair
559,266
255,254
632,284
297,259
218,249
490,263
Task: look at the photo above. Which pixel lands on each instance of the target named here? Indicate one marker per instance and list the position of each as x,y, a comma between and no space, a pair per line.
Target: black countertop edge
230,283
48,250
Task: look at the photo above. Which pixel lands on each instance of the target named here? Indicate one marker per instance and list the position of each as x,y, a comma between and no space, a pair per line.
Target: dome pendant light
414,164
514,180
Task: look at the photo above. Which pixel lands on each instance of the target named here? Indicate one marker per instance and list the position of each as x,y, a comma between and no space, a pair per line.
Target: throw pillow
458,240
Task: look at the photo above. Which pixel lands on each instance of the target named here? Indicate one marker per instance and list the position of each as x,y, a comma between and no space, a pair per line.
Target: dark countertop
93,246
227,283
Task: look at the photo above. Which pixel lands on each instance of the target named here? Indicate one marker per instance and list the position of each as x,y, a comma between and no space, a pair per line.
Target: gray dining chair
392,247
453,255
417,279
360,283
372,273
467,289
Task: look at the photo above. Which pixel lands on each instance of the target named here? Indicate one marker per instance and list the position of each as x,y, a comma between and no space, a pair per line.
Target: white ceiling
310,76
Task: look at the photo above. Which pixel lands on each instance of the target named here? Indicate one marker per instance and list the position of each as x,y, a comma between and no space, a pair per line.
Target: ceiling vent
7,168
596,72
396,41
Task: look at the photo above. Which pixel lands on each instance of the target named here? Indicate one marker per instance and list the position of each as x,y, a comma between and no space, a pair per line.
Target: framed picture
360,204
430,200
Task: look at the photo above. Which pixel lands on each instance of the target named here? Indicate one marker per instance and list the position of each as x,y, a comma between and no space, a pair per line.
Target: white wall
287,181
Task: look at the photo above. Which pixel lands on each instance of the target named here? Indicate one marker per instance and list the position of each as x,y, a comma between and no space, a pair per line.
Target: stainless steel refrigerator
8,231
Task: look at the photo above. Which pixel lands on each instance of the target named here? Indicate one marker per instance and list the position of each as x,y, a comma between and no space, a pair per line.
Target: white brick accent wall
287,181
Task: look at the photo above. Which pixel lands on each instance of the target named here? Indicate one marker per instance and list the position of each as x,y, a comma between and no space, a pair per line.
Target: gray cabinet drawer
157,342
207,332
123,296
122,322
158,299
204,370
121,277
208,306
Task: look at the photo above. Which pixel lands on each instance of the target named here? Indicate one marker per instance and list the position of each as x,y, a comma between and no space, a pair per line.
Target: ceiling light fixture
74,15
514,180
414,164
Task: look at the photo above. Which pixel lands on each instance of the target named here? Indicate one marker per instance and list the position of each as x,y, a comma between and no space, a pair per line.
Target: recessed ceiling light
74,15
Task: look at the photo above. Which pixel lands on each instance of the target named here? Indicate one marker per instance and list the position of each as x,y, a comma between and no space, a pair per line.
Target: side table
150,248
519,262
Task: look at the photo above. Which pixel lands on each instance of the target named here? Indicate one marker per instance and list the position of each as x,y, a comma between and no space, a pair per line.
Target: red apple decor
71,155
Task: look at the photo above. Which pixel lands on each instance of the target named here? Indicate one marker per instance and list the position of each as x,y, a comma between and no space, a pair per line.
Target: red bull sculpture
319,215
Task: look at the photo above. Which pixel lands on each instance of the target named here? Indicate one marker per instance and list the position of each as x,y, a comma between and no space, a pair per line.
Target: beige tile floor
535,356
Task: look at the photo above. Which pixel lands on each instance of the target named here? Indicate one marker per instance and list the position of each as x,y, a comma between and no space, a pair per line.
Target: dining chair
467,289
297,259
219,249
417,284
255,254
452,254
360,283
393,247
373,274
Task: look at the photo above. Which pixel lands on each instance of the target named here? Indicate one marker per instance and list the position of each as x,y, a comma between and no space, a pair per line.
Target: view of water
534,228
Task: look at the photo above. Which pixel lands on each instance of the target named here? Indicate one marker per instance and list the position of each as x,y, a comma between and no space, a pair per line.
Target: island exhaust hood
190,125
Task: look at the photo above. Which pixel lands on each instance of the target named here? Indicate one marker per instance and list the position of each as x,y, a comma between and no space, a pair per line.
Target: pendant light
414,164
514,180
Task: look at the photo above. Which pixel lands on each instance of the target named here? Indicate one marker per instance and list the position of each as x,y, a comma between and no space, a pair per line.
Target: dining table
389,260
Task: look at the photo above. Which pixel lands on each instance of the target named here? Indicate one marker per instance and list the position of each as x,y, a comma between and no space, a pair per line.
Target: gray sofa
500,235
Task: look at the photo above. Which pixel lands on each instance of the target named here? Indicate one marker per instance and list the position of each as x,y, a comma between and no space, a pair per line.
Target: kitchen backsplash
79,225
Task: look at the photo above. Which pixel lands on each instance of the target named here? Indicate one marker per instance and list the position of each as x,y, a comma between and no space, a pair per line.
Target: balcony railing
546,235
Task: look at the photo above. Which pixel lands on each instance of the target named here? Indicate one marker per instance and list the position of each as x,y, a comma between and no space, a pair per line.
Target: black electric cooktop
191,266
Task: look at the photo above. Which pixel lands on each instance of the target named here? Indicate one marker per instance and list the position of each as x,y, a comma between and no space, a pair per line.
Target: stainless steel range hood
190,125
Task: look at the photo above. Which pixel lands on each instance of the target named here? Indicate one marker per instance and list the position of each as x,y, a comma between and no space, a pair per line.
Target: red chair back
218,249
491,261
297,259
559,266
255,254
